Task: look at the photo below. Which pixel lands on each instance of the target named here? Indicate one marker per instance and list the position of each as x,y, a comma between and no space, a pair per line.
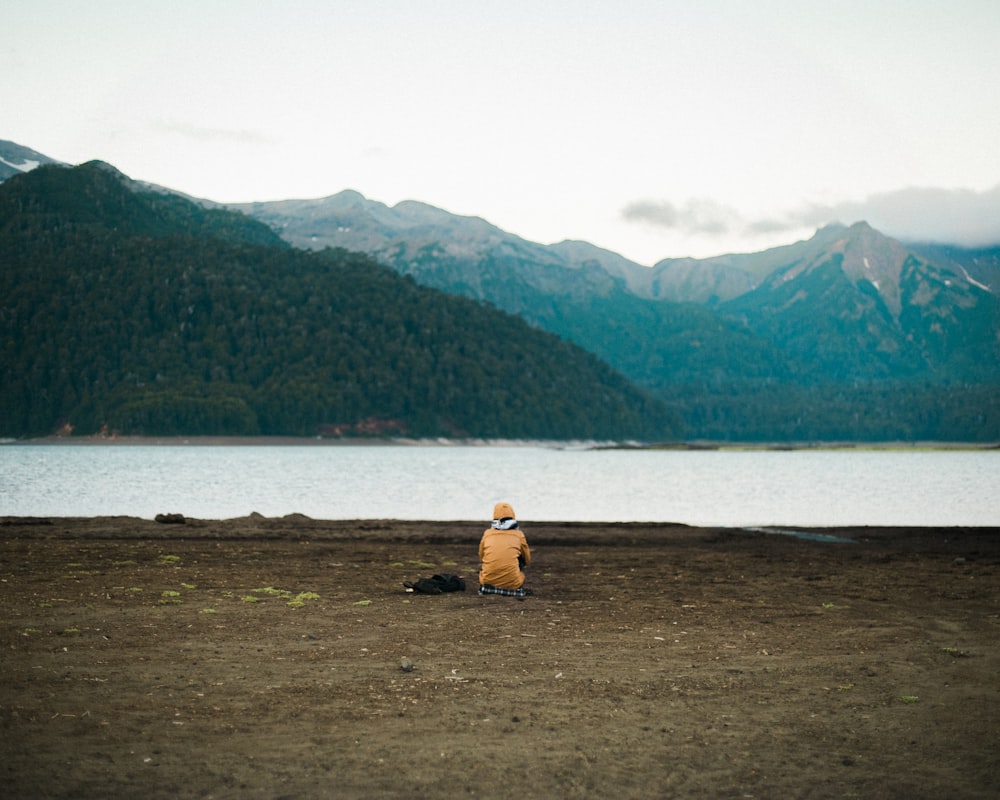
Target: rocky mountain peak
875,258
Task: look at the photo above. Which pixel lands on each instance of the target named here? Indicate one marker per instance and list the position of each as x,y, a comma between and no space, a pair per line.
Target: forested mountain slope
847,335
140,312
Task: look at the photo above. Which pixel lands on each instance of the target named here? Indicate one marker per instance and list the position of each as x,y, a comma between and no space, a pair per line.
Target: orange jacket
498,552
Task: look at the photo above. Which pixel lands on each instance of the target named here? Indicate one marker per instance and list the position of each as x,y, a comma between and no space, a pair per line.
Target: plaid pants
489,589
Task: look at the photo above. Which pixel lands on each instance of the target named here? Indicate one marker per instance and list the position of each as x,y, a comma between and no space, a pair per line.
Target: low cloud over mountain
918,214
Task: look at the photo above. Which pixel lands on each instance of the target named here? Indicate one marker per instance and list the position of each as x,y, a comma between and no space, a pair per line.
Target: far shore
317,441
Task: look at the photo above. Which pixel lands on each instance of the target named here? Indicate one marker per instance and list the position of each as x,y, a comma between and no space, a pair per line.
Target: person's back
503,553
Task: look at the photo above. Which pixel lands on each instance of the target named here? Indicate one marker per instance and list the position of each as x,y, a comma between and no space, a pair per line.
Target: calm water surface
731,488
726,488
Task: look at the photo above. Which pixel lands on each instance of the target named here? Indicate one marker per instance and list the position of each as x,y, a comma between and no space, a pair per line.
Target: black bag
437,584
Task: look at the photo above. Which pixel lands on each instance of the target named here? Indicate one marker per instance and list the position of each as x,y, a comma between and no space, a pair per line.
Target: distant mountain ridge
847,335
467,255
400,233
414,238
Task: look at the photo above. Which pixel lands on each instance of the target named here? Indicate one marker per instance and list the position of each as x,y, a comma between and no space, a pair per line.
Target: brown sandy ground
263,658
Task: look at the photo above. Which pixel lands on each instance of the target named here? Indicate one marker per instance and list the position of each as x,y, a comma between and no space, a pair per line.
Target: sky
653,128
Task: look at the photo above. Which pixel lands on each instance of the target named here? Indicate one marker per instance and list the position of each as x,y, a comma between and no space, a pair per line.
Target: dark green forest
136,312
876,411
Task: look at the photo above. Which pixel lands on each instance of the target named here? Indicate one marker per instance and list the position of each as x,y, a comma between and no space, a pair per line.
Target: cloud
698,216
921,214
917,214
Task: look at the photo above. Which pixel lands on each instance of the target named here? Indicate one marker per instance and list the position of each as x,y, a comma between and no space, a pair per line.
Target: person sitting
503,553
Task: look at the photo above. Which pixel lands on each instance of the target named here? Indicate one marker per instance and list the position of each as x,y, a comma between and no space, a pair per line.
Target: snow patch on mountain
24,166
973,281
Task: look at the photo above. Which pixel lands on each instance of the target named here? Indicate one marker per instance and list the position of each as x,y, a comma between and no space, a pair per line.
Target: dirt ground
282,658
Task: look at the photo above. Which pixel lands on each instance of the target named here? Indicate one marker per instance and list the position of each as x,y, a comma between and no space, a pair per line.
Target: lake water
716,488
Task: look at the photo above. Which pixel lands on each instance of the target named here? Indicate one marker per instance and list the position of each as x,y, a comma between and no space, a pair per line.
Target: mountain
849,334
846,335
980,265
575,290
868,305
15,159
720,278
132,310
440,249
865,306
97,197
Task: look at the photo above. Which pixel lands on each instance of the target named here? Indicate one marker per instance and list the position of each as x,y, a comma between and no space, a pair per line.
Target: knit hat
503,511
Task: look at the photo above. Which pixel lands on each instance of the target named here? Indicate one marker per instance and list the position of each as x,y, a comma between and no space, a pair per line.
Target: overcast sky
653,128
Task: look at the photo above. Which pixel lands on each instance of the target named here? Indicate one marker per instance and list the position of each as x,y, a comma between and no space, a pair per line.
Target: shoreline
179,525
316,441
255,526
